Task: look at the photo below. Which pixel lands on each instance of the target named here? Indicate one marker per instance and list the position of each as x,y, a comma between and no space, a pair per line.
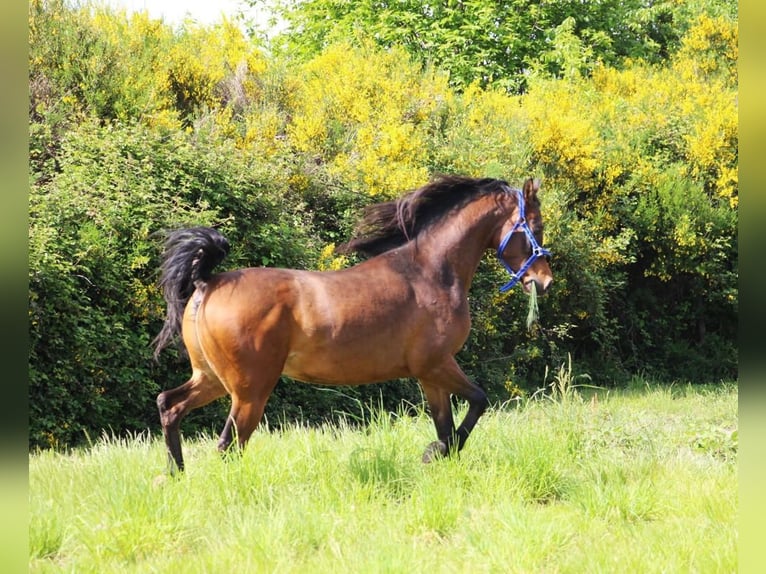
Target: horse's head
520,239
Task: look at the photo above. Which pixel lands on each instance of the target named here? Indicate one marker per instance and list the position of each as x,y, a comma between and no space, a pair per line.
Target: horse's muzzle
541,286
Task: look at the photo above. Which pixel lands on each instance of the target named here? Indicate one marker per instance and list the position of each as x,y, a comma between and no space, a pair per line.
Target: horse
402,312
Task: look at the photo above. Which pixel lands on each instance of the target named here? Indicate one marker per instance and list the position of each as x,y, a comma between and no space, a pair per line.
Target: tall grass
642,480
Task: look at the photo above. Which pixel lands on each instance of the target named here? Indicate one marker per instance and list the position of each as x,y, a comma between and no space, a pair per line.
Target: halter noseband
537,251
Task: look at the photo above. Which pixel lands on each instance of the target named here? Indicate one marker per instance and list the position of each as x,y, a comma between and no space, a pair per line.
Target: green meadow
579,480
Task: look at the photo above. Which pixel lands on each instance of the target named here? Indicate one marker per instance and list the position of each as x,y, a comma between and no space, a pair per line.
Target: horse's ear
531,187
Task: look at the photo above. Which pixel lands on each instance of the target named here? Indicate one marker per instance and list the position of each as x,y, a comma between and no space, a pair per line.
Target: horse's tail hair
188,259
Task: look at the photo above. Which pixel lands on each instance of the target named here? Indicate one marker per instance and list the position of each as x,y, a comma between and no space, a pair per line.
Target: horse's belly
344,367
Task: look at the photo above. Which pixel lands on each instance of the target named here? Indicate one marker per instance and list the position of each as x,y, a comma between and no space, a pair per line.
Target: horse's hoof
437,449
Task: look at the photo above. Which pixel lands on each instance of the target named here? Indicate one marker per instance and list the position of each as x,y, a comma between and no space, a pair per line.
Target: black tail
189,257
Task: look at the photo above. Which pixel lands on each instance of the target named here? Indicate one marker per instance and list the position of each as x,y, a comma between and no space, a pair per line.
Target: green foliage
497,43
94,303
136,127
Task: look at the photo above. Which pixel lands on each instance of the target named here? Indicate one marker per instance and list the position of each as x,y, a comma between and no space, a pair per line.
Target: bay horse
401,313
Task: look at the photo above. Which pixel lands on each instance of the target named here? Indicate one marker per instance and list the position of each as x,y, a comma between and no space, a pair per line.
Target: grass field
640,480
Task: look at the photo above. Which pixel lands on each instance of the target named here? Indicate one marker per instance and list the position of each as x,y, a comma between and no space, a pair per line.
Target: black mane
385,226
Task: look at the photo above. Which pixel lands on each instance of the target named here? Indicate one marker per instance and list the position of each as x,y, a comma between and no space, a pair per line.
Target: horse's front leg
441,413
438,385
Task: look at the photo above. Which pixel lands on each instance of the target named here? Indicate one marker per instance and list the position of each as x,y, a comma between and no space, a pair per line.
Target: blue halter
537,251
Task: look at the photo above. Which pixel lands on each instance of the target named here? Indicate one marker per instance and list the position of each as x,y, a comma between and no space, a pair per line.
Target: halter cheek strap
537,250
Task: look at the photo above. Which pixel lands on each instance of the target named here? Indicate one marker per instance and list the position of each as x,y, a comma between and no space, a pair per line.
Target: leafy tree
495,42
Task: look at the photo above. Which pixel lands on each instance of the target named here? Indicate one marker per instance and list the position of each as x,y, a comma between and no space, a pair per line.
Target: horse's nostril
541,285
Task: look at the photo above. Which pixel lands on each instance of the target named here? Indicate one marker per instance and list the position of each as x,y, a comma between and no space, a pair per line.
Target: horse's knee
477,399
481,402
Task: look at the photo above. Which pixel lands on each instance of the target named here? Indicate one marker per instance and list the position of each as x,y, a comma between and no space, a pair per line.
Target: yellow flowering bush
484,133
204,57
329,261
712,43
364,113
563,132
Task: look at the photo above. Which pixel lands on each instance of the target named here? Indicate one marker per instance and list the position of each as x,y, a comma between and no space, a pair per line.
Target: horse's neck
462,240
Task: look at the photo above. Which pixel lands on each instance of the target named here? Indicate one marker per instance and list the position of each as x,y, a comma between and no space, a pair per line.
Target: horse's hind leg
246,411
226,438
242,421
175,404
438,385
